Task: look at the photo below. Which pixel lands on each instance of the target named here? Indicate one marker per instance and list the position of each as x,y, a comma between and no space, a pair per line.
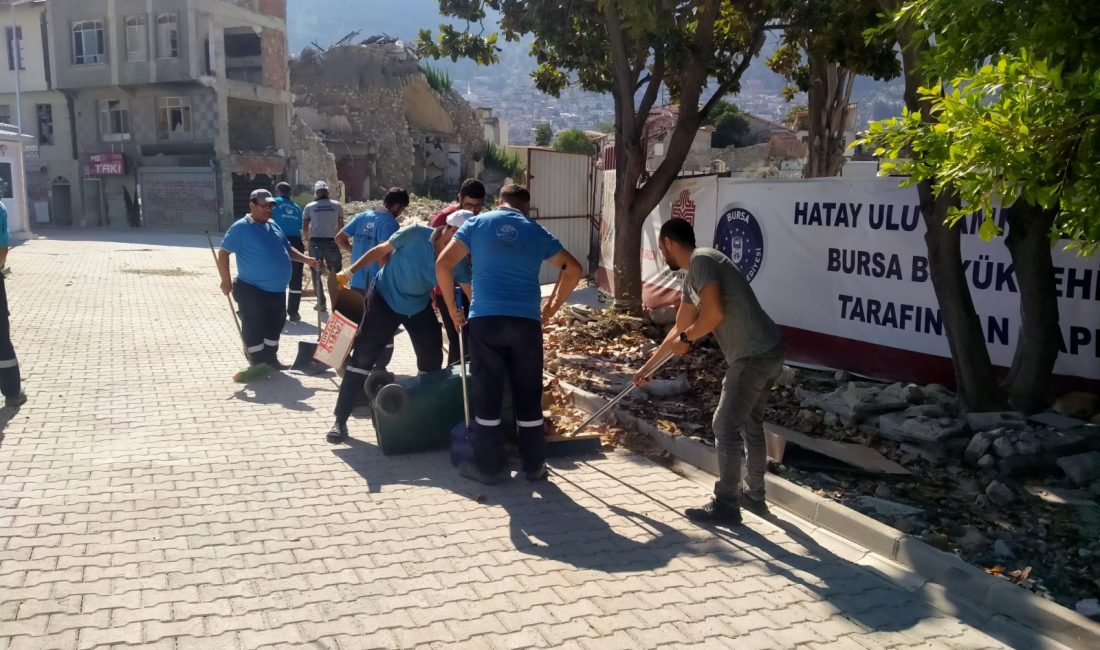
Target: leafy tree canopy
574,141
730,125
1014,108
543,134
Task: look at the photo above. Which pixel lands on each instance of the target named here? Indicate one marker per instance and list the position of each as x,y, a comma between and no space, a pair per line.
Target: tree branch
656,79
621,74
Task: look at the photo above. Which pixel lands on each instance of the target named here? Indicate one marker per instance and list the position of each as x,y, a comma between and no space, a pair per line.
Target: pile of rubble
1018,496
421,208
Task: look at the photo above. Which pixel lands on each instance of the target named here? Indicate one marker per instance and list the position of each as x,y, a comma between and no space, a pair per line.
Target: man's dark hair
395,196
472,188
679,231
516,196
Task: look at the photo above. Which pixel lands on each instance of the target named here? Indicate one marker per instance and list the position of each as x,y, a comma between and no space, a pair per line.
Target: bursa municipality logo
507,233
738,235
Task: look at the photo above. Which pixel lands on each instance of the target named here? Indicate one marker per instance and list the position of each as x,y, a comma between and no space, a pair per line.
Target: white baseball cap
261,195
458,217
320,185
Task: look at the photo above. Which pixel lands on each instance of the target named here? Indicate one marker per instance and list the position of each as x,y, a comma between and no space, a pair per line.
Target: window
89,43
173,118
137,38
15,47
45,123
114,121
5,113
6,186
168,42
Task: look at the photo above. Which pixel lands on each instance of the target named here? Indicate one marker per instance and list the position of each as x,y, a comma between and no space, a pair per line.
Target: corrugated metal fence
563,201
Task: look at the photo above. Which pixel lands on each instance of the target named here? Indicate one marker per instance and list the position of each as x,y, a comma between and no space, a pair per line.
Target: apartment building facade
49,161
174,110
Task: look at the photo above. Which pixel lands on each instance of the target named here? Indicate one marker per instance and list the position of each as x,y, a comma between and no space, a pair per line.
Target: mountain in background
326,21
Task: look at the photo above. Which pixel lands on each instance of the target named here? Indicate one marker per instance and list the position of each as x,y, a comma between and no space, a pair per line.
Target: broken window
168,42
114,120
137,38
173,118
45,123
15,47
89,42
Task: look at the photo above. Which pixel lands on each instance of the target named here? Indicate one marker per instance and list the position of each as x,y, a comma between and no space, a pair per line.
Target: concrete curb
961,580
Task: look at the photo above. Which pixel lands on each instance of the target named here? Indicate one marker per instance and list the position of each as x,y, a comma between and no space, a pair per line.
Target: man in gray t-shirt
717,298
321,221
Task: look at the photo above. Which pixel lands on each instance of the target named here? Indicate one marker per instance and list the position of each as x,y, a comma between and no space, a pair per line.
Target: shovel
618,398
462,436
306,350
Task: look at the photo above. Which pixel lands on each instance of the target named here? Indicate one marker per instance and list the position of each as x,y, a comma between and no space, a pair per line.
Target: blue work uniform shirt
407,279
5,239
366,230
263,253
507,250
288,216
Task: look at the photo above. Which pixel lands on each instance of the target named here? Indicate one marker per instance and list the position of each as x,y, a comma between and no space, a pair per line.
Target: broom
255,371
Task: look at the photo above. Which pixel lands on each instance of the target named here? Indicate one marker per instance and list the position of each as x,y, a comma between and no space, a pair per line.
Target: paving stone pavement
147,500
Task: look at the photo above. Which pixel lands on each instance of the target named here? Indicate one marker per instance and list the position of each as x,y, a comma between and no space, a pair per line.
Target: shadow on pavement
281,388
7,414
544,521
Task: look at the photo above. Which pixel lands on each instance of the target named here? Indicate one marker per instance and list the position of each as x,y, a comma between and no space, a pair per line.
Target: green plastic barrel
433,408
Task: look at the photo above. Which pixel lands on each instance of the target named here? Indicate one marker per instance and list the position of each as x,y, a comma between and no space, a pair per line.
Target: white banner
693,199
847,258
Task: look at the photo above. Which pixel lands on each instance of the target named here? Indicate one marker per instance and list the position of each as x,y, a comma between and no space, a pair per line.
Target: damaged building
177,110
375,112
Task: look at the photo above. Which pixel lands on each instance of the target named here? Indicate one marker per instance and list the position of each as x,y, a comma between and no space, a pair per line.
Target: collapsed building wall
376,113
310,159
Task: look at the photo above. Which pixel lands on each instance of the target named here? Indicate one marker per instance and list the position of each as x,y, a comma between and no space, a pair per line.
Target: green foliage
605,127
500,159
572,38
730,125
438,79
574,141
544,135
834,30
1018,129
1012,111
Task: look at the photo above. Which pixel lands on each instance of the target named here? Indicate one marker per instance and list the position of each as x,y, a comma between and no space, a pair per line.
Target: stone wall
312,159
741,158
373,98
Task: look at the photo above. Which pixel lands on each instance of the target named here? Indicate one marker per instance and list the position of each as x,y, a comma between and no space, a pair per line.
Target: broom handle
626,391
240,332
462,360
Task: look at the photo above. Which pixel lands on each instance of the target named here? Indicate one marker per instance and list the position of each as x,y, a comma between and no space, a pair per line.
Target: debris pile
1015,495
421,209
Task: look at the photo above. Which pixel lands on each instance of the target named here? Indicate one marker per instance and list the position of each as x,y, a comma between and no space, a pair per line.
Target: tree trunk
977,385
1037,346
628,250
974,376
829,97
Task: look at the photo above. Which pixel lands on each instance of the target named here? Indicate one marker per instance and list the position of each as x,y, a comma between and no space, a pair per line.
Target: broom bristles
258,371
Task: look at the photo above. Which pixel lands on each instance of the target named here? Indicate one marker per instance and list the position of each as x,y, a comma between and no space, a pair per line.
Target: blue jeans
506,348
739,425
